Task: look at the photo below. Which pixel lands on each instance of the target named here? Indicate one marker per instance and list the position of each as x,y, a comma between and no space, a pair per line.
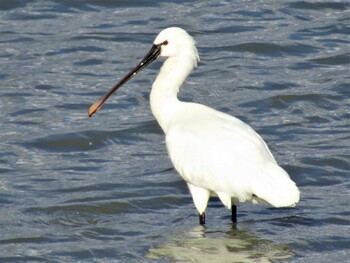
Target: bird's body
224,156
215,153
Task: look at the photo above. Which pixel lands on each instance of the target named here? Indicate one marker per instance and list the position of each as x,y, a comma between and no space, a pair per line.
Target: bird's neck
163,98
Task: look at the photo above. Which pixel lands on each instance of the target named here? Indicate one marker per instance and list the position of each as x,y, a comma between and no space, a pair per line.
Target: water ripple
75,188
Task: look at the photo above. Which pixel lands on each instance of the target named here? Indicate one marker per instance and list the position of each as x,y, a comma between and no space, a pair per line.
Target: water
103,189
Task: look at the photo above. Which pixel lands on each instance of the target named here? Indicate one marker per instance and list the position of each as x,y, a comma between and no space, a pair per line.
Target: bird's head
175,41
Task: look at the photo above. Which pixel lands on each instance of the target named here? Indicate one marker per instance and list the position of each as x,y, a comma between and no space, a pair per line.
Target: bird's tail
274,186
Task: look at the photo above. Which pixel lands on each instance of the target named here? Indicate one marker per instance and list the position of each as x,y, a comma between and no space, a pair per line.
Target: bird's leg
202,218
234,213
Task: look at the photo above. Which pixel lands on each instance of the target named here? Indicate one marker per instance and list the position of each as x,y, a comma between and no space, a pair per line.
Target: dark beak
151,56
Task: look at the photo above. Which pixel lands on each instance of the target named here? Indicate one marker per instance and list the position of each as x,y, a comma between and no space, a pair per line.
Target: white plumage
215,153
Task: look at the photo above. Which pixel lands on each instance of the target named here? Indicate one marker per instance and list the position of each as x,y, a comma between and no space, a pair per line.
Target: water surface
103,189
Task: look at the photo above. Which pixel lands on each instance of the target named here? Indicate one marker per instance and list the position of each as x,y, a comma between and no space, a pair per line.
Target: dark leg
234,213
202,218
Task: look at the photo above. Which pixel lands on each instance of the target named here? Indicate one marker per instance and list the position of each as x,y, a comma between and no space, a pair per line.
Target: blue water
102,189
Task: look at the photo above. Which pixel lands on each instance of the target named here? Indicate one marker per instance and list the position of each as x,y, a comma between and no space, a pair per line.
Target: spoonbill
215,153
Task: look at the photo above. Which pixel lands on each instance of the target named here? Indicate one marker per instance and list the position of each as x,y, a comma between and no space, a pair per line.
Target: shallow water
103,189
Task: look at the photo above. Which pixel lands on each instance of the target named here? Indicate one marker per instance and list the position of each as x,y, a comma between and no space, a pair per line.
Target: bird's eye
165,43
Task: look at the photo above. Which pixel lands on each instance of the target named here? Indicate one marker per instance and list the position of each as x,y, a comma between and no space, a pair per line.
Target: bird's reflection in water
201,245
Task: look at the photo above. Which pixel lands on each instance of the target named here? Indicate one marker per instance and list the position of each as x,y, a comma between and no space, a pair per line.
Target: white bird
215,153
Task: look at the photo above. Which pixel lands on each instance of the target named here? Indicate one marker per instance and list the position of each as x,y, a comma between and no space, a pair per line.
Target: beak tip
92,110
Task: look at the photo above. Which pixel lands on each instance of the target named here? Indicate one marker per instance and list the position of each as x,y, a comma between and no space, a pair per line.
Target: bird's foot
234,214
202,218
